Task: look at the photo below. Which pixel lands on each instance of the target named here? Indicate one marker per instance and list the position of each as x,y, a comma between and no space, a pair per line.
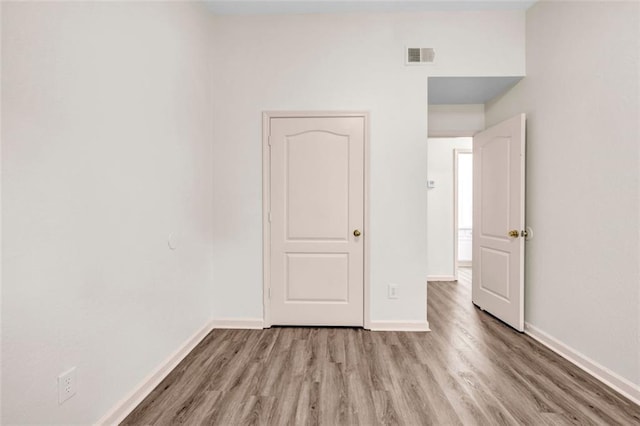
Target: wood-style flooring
470,369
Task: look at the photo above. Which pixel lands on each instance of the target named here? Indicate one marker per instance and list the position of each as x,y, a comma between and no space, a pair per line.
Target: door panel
495,187
317,201
317,208
317,277
498,208
494,275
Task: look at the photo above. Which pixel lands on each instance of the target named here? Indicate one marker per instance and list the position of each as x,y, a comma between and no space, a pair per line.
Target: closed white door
317,217
498,221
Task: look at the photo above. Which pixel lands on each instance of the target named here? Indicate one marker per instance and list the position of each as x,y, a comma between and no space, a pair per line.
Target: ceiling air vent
420,55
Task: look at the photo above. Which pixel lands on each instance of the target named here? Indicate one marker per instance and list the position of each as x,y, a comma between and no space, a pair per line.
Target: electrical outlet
393,291
66,385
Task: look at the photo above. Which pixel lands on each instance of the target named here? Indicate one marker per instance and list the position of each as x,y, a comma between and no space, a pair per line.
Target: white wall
582,96
455,120
342,62
440,206
1,238
106,151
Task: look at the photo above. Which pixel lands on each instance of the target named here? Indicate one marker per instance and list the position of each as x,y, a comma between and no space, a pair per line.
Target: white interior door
317,217
498,221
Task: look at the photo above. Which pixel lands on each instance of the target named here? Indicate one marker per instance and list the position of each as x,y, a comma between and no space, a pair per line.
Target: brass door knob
514,234
356,233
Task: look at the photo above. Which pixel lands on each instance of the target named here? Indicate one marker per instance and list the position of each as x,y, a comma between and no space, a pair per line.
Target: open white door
498,221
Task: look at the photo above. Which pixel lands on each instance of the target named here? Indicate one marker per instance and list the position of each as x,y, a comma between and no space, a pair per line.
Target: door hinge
269,291
269,141
269,217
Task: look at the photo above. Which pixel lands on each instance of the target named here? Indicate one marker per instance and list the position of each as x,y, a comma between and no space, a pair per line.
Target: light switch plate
393,291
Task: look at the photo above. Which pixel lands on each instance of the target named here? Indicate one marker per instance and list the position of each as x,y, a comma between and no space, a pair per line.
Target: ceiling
468,90
277,7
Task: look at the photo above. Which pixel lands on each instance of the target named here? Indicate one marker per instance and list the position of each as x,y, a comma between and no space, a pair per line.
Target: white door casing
498,210
457,153
315,273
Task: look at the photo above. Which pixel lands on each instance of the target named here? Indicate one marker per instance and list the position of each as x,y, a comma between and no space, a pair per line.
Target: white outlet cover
66,385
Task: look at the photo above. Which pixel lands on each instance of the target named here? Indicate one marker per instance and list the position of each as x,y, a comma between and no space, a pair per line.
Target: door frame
266,204
456,153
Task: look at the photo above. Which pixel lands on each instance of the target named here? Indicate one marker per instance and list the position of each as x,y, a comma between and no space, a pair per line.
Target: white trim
600,372
245,323
456,154
399,326
441,278
465,264
266,205
455,213
266,220
125,406
366,277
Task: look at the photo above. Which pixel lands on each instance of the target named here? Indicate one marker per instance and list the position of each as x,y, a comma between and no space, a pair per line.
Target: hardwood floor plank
360,399
258,410
199,413
385,411
470,370
334,399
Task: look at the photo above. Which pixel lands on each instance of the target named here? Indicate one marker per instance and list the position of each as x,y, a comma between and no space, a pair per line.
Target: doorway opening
449,208
463,210
457,109
315,219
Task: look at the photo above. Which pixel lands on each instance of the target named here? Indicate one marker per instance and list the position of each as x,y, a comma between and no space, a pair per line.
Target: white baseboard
248,323
399,326
600,372
465,263
441,278
125,406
